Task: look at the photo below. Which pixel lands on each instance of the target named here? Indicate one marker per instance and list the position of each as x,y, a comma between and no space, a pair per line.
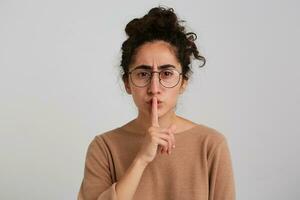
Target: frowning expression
154,57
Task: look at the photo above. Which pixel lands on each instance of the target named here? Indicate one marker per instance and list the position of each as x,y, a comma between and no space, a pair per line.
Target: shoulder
207,137
102,143
109,138
203,132
212,134
215,142
106,135
207,133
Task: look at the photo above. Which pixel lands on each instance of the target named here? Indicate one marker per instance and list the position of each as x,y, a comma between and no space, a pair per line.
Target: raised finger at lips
154,113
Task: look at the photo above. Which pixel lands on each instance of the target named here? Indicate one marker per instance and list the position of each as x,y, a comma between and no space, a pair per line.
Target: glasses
168,78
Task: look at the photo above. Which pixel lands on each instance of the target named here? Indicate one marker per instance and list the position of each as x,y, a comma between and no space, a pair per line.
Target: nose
154,83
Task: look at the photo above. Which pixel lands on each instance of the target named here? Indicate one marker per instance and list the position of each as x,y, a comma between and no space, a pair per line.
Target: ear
127,86
183,86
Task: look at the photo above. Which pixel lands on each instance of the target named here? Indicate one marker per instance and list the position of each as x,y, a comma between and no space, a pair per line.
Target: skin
155,54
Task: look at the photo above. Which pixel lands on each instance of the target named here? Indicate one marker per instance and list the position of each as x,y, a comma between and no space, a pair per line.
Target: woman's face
155,56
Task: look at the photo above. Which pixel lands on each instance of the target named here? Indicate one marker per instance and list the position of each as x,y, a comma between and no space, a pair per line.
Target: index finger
154,114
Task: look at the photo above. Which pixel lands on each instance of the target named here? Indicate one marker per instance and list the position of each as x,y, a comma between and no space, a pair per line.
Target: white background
60,86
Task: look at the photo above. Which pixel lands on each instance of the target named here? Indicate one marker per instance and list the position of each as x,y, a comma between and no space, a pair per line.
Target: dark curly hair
160,24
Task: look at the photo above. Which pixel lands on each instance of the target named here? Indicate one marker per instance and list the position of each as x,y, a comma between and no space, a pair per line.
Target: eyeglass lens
167,77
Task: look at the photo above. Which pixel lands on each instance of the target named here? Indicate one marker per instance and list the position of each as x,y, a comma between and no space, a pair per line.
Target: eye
143,74
167,73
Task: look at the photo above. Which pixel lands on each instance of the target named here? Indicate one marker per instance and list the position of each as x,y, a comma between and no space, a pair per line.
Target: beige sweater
198,168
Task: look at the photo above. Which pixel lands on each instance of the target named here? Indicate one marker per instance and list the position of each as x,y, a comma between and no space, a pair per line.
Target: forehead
155,54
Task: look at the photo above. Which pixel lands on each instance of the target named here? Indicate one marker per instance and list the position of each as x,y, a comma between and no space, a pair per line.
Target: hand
157,138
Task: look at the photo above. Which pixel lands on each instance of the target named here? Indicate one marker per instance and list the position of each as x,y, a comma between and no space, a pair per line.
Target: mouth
150,102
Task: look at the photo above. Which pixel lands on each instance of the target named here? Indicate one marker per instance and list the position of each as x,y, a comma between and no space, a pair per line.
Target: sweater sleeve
97,183
221,180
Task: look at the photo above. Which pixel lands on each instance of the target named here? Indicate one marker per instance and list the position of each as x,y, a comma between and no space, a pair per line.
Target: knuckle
169,138
165,143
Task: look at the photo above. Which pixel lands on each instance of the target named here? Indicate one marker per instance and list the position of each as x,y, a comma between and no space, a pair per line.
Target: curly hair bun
158,19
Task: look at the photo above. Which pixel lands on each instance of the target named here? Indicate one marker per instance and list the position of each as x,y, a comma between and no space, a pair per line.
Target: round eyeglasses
168,78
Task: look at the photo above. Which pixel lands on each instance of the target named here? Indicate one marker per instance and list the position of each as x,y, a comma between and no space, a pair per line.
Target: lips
150,101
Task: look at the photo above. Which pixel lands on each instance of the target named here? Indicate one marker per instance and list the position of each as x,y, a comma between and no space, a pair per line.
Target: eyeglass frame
152,72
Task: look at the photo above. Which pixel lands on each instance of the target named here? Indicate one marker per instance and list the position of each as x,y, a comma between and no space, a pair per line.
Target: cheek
138,97
172,98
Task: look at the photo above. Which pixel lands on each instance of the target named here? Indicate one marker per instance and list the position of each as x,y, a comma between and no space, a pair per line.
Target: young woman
158,155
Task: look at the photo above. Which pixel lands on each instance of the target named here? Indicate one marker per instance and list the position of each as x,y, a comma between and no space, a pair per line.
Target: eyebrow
150,67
